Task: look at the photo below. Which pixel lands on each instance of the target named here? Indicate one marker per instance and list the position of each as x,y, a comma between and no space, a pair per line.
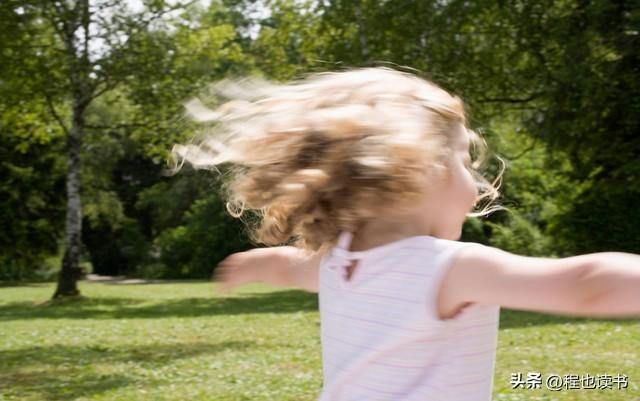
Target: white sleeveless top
381,337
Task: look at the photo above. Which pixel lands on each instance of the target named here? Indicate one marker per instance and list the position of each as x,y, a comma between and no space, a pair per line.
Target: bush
603,218
115,249
192,249
520,236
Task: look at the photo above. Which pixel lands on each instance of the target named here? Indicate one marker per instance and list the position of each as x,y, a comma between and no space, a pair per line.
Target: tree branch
55,114
525,151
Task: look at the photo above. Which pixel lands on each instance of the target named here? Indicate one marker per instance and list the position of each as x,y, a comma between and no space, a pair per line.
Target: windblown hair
325,154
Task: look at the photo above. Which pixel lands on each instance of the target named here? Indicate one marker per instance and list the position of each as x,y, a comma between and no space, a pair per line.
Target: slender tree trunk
70,271
73,18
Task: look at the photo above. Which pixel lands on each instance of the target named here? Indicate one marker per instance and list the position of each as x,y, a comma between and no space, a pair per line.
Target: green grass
181,341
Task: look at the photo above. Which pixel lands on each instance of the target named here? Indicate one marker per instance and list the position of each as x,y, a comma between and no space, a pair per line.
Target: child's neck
380,232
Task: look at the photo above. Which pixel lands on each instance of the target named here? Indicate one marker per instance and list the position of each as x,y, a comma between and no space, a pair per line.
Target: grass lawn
181,341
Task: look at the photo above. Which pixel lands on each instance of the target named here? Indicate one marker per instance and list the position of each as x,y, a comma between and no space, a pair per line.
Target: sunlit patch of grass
537,343
182,341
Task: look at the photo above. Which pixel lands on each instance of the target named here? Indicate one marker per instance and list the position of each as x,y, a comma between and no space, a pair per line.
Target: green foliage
290,41
31,144
520,236
583,66
179,65
600,220
115,249
195,247
31,190
473,230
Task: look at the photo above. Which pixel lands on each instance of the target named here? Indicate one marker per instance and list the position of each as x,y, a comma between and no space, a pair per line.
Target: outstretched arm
613,285
605,284
283,266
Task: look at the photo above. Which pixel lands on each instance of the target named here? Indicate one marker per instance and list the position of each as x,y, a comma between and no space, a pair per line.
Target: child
369,171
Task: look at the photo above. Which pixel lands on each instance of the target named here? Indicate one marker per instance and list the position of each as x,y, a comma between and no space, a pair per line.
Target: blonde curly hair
325,154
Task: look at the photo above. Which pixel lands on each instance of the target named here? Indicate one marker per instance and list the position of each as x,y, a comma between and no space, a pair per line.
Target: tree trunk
70,271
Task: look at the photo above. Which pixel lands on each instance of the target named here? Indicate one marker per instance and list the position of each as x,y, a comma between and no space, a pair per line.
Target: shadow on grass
514,319
65,373
117,308
272,302
58,385
24,284
116,280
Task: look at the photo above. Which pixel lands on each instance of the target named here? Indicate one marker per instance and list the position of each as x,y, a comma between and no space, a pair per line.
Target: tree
75,51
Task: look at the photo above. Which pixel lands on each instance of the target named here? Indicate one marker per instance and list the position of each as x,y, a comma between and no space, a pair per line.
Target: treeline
553,86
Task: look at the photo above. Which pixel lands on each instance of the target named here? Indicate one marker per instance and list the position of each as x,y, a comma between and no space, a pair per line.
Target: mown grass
182,341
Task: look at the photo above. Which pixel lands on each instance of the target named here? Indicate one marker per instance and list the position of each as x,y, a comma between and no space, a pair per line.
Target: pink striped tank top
381,337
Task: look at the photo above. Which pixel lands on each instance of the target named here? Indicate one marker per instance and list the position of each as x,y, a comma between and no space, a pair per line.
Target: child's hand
245,267
281,266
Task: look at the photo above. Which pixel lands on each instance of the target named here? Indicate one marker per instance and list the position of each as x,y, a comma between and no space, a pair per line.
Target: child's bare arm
613,285
283,266
603,284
